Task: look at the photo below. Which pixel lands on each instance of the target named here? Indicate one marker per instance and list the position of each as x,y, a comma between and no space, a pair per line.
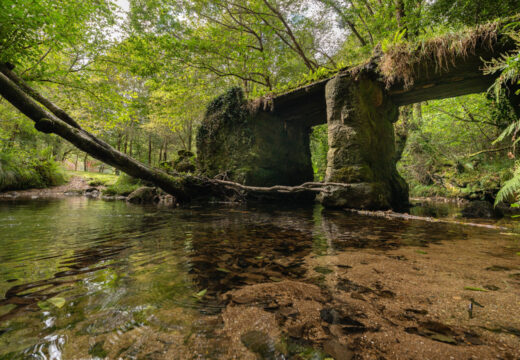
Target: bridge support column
251,147
361,146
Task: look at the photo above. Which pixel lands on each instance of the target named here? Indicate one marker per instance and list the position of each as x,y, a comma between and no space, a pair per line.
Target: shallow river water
91,279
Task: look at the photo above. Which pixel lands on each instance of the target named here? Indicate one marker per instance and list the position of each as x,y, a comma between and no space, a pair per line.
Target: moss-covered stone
253,147
143,195
362,146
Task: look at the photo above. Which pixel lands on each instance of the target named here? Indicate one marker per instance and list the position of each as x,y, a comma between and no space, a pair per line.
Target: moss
400,63
97,350
350,174
123,186
238,143
362,153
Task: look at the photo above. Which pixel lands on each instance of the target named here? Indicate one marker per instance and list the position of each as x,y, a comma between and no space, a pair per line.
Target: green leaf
323,270
443,338
58,302
223,270
44,305
473,288
201,293
421,252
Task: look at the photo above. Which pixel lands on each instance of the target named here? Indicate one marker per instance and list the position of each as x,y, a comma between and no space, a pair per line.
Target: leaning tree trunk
52,119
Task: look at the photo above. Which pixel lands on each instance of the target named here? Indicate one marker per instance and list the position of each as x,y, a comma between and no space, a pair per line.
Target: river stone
362,146
337,350
143,195
260,343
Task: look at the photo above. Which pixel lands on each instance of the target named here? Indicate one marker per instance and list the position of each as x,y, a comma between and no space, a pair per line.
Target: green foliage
123,186
510,189
29,28
21,170
509,68
319,148
470,12
94,178
443,138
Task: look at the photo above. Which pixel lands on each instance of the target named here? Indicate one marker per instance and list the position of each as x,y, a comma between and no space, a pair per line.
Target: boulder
143,195
184,162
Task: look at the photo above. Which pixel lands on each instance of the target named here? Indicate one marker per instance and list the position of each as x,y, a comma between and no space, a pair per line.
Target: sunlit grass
94,178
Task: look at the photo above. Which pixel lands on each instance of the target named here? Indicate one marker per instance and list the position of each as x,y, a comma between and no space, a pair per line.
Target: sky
123,4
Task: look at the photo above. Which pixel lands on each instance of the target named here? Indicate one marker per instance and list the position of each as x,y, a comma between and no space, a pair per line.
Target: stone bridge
266,141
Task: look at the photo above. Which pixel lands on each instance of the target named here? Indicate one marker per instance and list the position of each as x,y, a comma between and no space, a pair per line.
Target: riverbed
84,278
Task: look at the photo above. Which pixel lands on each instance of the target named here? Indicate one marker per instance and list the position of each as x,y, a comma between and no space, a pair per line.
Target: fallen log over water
394,215
51,119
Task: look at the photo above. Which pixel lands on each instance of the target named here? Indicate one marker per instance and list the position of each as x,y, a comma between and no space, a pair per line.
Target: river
89,279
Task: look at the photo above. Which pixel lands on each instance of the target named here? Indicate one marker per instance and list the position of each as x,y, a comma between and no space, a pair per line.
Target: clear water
77,275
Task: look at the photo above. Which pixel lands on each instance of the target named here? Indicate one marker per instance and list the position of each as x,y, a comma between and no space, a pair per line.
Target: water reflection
126,272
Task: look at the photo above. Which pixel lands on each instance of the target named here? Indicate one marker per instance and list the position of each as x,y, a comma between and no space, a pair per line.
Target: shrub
20,170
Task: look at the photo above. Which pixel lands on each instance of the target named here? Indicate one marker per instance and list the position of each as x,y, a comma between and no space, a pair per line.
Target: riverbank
75,186
94,185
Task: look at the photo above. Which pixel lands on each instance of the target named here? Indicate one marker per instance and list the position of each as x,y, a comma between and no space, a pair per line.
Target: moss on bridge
239,143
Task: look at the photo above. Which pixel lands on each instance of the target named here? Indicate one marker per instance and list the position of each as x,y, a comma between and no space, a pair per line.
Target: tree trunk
399,14
150,149
85,164
190,135
119,140
417,114
130,150
165,155
160,153
126,144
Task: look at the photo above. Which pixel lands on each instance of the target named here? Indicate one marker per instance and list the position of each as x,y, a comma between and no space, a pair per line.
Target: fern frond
510,188
510,129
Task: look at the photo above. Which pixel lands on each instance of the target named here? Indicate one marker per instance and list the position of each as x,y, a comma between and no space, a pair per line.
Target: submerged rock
337,350
480,209
260,343
143,195
92,192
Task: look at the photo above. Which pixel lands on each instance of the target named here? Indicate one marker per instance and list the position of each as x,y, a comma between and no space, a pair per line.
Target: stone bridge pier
360,119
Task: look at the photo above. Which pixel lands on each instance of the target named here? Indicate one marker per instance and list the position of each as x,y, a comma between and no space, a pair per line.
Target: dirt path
76,185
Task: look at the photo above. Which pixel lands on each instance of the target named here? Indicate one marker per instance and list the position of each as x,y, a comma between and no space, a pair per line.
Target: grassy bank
115,185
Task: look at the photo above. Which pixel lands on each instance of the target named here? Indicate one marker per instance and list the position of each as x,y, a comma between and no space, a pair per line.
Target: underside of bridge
266,142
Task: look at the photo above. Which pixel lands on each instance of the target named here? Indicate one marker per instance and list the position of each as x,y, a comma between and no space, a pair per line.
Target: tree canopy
139,74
